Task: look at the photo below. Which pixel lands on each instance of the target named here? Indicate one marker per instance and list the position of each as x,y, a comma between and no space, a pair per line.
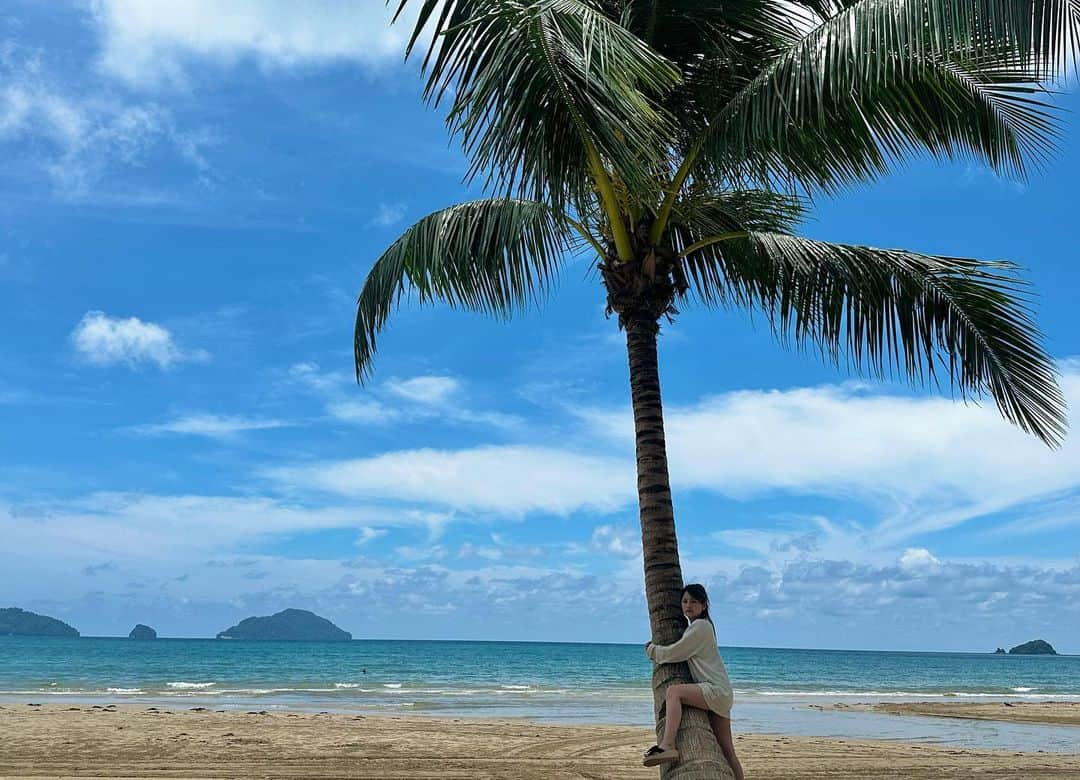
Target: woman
711,689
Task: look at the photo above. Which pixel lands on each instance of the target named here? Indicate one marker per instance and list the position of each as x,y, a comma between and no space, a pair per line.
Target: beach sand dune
135,742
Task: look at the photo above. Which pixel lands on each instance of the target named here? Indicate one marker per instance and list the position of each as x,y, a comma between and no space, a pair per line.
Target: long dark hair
697,592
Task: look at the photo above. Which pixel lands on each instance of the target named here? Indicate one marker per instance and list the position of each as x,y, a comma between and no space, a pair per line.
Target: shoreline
53,740
1052,732
1050,713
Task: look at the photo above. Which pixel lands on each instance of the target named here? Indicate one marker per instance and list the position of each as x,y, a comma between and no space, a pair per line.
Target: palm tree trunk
700,753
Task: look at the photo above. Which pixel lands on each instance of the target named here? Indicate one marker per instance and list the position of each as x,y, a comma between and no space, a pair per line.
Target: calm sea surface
543,681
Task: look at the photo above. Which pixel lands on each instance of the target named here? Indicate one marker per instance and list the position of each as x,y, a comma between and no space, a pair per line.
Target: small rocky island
1034,647
142,632
297,625
19,622
1000,651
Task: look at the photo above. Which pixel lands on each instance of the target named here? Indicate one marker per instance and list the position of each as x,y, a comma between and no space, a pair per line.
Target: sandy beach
140,742
1050,712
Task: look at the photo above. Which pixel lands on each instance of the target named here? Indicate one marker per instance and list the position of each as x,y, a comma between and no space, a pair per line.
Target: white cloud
621,542
412,553
793,538
388,214
470,550
409,400
367,534
1051,515
209,425
440,397
313,377
915,465
123,526
77,138
918,559
1016,599
508,479
161,552
926,463
428,390
362,412
149,43
103,340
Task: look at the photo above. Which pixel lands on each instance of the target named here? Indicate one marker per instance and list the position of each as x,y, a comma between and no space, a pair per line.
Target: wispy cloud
102,340
161,540
918,588
914,465
126,526
366,534
312,376
1055,514
507,479
398,400
388,214
150,45
925,463
622,542
77,138
209,425
362,412
429,390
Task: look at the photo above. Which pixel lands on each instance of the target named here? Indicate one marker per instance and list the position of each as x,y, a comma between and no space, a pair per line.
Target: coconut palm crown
678,141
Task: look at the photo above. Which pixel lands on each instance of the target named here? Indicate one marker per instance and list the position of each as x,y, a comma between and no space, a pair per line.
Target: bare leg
721,727
675,697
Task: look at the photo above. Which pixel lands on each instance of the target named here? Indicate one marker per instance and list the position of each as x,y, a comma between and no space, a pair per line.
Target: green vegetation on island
289,624
142,632
1034,647
19,622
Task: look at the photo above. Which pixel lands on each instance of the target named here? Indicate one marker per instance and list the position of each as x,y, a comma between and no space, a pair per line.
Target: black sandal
656,755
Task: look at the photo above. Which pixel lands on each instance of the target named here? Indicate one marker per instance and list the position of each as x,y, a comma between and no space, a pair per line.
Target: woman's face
691,607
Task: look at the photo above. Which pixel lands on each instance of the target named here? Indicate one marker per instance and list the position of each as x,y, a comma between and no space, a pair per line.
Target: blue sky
188,205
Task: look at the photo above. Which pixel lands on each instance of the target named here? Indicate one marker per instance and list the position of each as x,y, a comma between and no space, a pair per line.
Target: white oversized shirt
698,648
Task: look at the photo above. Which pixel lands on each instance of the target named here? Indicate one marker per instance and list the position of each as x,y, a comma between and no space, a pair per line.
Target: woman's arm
693,641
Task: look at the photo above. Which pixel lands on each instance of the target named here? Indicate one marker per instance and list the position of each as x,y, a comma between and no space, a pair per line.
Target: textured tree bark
700,754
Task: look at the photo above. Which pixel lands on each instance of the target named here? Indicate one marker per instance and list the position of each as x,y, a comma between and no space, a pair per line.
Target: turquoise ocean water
553,682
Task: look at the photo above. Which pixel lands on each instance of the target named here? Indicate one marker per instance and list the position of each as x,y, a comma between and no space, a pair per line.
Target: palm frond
491,256
535,83
702,212
892,311
877,79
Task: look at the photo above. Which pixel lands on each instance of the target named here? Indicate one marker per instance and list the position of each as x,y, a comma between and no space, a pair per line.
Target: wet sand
139,742
1062,713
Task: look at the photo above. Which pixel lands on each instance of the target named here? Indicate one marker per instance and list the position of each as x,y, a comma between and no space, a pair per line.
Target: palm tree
677,140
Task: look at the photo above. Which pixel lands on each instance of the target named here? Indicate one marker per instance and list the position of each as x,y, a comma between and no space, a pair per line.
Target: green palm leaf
702,213
878,79
492,256
615,110
536,84
892,310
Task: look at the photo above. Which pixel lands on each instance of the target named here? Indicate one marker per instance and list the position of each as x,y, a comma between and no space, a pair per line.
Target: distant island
289,624
142,632
1034,647
19,622
1000,651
